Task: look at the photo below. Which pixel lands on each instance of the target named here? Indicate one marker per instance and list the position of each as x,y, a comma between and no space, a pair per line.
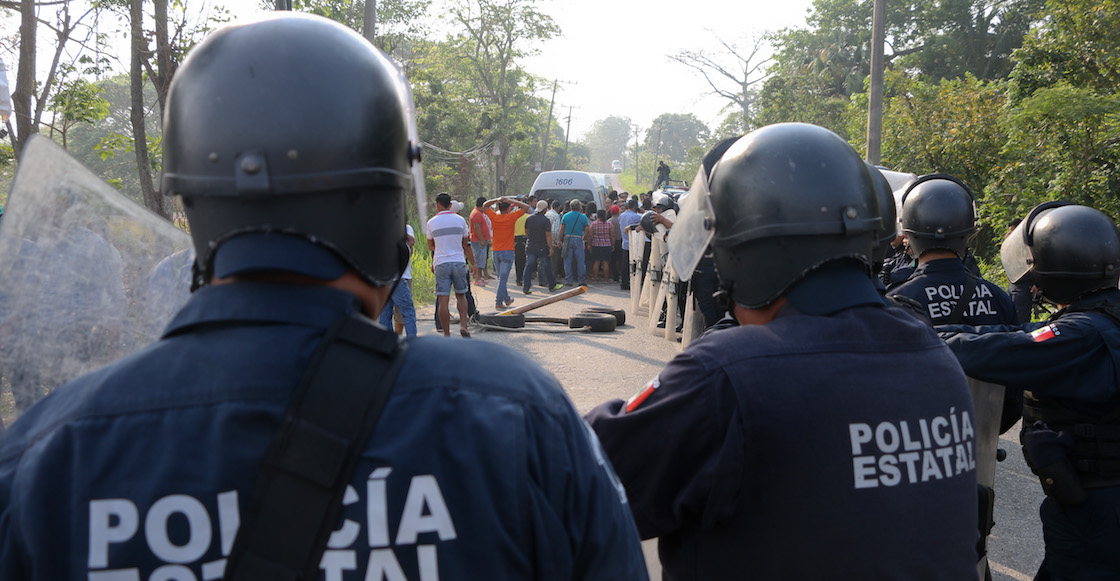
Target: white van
565,185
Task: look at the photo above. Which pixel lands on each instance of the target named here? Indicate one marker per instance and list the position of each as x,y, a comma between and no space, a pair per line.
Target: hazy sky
617,52
614,53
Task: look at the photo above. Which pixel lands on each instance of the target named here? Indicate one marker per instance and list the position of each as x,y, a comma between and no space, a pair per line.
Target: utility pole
370,23
875,104
283,4
637,131
548,123
548,126
568,134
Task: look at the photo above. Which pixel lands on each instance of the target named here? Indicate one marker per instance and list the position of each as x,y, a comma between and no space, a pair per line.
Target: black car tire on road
618,314
514,321
598,322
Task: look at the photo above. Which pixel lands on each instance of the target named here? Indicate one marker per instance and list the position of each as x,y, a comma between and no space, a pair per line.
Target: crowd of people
546,241
823,429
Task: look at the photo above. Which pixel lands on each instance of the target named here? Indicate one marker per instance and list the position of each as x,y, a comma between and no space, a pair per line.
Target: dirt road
592,367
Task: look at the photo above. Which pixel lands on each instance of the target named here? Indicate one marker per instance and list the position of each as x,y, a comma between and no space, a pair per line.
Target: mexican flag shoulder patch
1045,333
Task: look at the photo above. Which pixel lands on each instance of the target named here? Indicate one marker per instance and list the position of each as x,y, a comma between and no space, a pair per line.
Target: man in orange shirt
503,242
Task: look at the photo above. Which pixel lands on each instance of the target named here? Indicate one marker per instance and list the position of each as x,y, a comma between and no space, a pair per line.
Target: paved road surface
596,367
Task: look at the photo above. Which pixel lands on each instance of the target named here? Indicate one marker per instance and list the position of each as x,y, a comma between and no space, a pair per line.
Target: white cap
456,206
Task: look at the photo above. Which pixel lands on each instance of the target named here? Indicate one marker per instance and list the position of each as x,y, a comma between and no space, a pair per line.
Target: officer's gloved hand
1047,453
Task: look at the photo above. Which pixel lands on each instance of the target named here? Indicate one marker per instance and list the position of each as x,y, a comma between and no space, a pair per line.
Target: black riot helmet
1069,250
288,139
787,199
938,211
647,223
889,215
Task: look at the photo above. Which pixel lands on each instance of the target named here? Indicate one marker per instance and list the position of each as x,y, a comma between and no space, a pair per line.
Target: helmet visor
404,93
694,229
898,181
1015,254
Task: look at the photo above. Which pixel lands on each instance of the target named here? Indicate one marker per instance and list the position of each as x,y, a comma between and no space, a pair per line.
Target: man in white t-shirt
449,241
400,305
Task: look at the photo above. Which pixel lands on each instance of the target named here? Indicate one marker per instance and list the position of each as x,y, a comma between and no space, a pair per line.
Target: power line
470,152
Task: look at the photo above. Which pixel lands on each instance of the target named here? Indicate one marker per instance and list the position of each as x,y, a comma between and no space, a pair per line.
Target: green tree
818,68
957,37
606,141
1064,124
71,24
732,73
951,126
732,124
76,101
671,135
1063,143
1079,46
793,96
105,145
458,125
491,36
399,22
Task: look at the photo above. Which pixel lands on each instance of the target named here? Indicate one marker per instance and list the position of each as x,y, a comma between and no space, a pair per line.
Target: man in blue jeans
401,299
511,211
573,228
538,246
449,241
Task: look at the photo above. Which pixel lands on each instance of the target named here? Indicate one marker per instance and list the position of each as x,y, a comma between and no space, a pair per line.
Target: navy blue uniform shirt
801,449
138,470
1071,362
1074,357
937,285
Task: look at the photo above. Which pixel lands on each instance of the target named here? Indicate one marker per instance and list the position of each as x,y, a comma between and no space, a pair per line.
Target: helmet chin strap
723,299
196,276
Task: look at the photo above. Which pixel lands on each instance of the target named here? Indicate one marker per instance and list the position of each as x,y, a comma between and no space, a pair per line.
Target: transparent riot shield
637,250
86,275
987,402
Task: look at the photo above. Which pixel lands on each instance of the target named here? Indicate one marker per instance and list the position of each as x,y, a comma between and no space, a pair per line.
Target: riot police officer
1067,368
938,217
288,140
778,449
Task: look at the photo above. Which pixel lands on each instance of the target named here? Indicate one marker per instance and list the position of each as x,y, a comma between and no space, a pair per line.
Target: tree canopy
1021,99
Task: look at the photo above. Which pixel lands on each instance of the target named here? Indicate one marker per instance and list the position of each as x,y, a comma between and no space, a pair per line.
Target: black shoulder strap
957,315
297,498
